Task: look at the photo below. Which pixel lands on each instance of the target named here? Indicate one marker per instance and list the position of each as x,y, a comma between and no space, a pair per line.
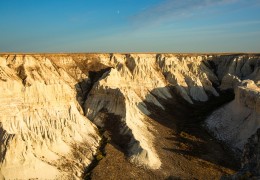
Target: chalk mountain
127,116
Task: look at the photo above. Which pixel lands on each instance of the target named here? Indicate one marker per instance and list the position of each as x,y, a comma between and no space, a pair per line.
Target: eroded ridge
52,104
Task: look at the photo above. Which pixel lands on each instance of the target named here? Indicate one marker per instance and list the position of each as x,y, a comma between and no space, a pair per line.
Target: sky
130,26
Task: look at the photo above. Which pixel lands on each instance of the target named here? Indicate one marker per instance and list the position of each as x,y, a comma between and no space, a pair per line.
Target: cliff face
44,133
138,78
238,120
251,155
51,105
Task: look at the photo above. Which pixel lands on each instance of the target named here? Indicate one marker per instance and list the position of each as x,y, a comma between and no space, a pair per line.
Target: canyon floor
185,147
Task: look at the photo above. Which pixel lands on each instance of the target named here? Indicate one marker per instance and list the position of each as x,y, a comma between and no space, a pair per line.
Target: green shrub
99,157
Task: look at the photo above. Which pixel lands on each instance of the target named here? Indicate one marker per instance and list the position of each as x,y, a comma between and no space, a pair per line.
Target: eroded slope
51,104
43,131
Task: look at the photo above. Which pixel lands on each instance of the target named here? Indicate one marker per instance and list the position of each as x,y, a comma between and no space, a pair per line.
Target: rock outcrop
235,122
51,105
238,120
250,166
250,160
43,132
123,90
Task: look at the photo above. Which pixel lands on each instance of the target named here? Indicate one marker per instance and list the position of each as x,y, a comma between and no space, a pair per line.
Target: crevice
22,74
113,124
110,134
252,67
130,63
98,156
213,67
113,130
84,87
5,139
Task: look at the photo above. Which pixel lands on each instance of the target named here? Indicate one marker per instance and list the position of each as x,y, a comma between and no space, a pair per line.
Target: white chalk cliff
235,122
51,105
123,90
43,131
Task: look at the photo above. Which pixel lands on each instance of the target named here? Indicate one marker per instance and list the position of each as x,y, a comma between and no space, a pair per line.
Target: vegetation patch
100,154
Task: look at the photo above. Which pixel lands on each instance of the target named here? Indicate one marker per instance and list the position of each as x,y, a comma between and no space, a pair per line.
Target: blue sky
130,26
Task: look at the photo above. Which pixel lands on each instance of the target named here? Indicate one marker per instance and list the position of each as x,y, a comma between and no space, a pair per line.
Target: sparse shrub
99,157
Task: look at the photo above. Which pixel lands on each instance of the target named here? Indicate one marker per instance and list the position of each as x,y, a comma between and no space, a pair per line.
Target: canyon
129,116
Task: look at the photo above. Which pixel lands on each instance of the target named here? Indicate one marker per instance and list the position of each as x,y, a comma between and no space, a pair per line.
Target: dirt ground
186,150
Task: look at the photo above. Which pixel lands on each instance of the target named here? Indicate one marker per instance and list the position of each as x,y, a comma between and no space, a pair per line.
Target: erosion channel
129,116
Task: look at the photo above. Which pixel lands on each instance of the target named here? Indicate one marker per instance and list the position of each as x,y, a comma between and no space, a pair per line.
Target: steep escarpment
121,92
238,120
43,129
250,161
192,76
146,104
135,77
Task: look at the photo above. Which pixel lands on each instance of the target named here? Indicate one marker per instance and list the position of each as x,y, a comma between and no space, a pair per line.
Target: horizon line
200,53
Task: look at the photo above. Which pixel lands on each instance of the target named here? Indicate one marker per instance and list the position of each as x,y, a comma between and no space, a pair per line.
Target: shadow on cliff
4,138
84,87
115,130
114,126
189,137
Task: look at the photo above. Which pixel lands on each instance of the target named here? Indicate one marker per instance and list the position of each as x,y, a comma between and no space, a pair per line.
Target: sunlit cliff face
53,104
